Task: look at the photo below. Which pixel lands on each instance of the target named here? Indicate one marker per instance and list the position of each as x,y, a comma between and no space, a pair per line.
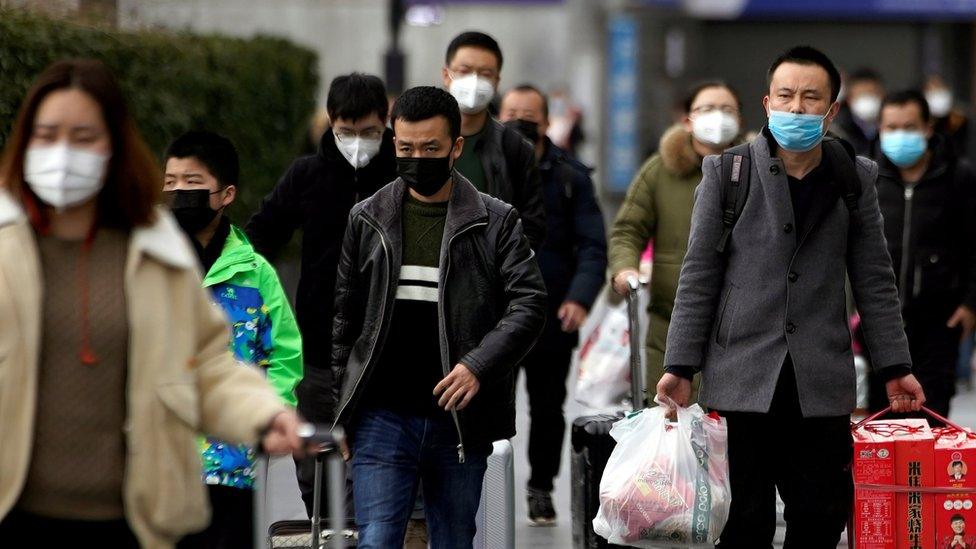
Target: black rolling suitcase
592,443
316,533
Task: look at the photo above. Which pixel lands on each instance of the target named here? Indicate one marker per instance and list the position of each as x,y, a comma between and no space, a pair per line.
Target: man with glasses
355,158
659,202
496,159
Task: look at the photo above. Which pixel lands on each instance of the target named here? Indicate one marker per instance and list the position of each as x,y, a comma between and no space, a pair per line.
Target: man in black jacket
573,261
496,159
438,298
928,198
857,121
355,158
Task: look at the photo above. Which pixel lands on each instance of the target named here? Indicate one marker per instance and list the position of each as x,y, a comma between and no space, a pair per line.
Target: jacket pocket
934,274
183,400
175,491
726,319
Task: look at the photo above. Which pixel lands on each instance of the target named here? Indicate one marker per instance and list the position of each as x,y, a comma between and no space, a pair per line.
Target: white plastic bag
666,484
604,363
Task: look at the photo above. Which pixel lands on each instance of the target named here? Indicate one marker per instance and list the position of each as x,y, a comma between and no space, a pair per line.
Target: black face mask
192,209
425,175
528,129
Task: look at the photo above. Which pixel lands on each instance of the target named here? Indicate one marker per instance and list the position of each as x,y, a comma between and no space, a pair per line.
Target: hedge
259,92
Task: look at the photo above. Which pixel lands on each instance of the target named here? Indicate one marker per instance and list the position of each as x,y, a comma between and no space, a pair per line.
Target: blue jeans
392,455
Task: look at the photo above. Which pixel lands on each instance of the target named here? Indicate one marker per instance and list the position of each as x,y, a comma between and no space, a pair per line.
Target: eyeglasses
708,109
488,74
348,135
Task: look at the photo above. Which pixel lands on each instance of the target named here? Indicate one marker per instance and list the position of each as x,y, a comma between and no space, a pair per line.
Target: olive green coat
658,206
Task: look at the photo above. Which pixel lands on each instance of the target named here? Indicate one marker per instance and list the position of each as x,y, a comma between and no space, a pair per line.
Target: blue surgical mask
903,147
796,132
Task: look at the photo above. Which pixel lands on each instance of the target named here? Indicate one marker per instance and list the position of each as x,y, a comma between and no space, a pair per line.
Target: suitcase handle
637,390
329,442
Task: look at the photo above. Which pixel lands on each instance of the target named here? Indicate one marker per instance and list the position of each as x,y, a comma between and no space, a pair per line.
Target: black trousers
546,368
808,459
232,522
935,351
37,531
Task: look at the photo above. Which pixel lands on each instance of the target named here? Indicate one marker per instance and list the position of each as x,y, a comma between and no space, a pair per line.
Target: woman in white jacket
112,357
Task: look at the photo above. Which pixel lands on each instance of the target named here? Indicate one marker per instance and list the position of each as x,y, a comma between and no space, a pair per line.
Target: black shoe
541,511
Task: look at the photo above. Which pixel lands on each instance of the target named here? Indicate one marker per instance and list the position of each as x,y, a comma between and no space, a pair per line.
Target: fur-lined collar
677,154
163,240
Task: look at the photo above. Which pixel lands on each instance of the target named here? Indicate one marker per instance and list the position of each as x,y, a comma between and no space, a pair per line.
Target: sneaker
541,511
416,537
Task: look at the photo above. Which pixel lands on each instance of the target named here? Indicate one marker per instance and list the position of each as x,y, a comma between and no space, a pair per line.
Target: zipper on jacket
906,236
440,306
369,356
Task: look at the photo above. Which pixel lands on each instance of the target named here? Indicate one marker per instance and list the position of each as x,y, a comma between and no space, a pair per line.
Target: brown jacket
182,380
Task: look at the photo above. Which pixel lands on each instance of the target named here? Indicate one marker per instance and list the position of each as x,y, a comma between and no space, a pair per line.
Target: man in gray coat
764,321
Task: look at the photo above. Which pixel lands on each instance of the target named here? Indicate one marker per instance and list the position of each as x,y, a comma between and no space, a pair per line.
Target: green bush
258,92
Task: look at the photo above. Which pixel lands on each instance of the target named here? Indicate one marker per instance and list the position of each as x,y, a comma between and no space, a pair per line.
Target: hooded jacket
658,206
263,333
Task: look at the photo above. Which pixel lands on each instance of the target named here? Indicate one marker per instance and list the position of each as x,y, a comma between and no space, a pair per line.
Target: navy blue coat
573,258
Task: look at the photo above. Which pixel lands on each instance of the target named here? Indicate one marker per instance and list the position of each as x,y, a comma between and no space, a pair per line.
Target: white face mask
866,107
940,102
358,151
715,128
473,93
64,176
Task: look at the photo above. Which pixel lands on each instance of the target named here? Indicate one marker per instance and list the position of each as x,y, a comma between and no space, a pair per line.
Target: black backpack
736,177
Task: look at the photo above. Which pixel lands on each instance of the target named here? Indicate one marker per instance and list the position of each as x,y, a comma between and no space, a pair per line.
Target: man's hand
620,280
572,315
282,436
676,388
965,317
905,394
457,389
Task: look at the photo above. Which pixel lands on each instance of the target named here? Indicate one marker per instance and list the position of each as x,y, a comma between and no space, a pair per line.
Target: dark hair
356,96
695,90
865,74
529,88
131,188
214,151
957,517
805,55
426,102
906,97
473,39
954,463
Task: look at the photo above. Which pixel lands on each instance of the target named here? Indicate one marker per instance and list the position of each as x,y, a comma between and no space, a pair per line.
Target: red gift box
890,458
955,453
874,510
914,467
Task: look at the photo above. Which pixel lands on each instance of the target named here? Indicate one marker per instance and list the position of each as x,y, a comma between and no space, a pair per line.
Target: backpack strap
734,191
842,164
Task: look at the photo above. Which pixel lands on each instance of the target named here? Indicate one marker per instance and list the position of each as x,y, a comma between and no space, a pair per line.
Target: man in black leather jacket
438,298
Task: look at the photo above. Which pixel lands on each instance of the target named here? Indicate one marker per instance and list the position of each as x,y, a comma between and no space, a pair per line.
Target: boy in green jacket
200,183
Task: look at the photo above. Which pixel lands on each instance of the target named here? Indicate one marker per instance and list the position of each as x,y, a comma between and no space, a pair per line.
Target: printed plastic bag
666,484
604,364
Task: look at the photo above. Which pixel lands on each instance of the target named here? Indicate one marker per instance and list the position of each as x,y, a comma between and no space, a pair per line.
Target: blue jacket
573,258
